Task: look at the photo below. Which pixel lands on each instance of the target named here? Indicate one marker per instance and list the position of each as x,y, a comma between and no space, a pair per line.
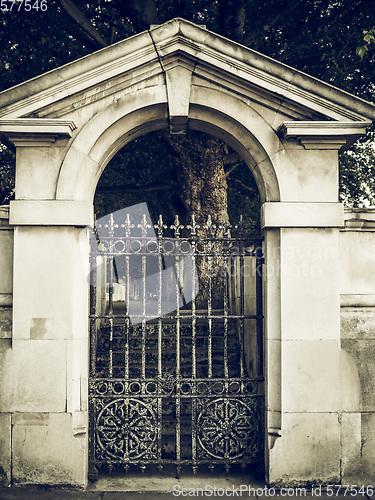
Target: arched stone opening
203,119
111,129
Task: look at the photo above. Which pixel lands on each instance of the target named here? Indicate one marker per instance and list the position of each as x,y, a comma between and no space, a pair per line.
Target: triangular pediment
211,60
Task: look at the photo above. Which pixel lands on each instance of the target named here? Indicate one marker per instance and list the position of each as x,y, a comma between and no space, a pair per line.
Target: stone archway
140,113
246,132
288,127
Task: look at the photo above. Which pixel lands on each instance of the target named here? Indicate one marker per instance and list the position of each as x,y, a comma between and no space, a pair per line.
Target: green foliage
357,170
330,39
7,170
368,43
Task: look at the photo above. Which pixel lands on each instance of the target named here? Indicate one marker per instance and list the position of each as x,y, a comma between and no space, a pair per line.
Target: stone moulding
51,213
202,49
35,131
359,218
324,135
295,214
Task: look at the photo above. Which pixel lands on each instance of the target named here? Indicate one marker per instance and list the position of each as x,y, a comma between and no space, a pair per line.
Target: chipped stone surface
357,323
315,441
363,352
41,328
5,322
5,449
33,376
48,454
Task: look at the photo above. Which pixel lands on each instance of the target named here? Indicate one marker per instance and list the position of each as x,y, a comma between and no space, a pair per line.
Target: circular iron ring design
226,428
127,429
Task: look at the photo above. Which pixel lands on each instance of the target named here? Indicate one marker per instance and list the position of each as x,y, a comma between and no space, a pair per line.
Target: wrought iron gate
176,372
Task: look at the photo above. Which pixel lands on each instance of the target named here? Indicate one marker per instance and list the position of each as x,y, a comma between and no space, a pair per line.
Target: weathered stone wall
43,392
6,294
6,274
358,341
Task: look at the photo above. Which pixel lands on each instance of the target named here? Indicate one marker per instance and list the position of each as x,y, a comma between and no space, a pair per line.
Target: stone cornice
50,213
235,64
67,83
302,214
324,135
205,51
360,219
35,131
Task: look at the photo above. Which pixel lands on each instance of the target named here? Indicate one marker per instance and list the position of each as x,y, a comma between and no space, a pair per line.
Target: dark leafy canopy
320,37
125,183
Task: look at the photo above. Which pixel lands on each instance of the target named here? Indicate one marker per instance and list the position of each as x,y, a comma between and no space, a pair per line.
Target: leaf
361,51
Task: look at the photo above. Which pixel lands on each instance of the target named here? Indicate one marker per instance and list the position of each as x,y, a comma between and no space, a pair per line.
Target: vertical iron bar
127,319
194,428
93,283
209,310
144,316
178,424
178,319
178,368
93,343
259,307
110,348
193,319
110,284
111,268
160,345
194,362
160,329
242,308
226,373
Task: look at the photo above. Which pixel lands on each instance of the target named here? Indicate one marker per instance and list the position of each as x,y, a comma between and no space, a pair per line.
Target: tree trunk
199,160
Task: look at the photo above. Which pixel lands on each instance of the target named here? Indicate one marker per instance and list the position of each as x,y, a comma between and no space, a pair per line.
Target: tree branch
230,169
135,189
80,19
248,188
69,29
283,13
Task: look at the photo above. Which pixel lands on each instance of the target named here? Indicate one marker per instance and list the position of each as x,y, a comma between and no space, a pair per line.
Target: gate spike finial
193,226
177,227
160,226
226,226
111,225
127,226
209,226
241,226
144,225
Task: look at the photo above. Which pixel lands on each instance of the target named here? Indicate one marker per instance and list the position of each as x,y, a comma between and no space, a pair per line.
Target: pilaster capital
324,135
302,214
35,132
51,213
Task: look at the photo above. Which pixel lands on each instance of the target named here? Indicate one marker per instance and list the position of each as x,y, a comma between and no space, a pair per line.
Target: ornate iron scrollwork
226,429
127,430
167,383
